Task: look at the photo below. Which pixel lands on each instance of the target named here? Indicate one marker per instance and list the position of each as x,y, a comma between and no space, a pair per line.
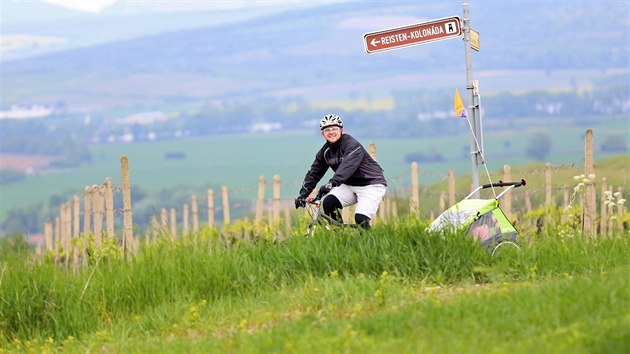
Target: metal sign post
436,30
474,117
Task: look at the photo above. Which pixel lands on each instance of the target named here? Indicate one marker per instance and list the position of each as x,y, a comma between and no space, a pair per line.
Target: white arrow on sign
415,34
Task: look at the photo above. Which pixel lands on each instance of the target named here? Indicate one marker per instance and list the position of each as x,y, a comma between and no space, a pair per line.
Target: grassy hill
395,289
318,53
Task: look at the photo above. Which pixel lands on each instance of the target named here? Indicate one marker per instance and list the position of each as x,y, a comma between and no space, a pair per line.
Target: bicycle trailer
481,219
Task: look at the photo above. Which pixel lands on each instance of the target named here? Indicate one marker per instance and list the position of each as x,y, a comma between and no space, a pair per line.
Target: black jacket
349,160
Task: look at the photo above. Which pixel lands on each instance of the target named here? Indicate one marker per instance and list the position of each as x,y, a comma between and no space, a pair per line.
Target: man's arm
314,174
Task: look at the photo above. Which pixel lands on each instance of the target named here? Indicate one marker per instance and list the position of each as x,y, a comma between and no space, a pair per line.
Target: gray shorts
367,198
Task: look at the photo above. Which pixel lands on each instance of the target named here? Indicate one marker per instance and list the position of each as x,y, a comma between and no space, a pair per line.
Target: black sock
362,221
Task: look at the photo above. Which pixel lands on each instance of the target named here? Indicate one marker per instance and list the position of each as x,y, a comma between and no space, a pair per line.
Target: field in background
24,163
238,161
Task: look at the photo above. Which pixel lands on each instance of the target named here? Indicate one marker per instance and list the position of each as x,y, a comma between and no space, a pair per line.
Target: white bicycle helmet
330,119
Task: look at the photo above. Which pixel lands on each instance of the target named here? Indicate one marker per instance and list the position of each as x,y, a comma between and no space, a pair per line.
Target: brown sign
420,33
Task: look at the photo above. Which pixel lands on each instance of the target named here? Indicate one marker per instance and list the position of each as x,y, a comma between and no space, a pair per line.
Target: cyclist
357,178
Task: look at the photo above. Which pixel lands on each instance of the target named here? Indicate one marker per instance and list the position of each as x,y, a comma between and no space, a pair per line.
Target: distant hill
318,52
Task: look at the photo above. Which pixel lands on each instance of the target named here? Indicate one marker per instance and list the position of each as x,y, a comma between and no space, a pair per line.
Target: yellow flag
460,110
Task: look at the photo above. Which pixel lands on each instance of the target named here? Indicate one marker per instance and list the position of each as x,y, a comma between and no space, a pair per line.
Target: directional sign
420,33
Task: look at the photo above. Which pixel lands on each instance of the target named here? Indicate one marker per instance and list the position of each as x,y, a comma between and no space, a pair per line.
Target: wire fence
104,203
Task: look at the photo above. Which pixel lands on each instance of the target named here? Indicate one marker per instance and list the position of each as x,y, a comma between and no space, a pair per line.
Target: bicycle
318,218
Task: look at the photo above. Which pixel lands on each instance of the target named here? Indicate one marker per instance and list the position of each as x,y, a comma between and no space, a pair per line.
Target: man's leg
332,207
368,200
341,197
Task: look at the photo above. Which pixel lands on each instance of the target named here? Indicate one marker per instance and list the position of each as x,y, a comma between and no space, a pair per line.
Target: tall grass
41,300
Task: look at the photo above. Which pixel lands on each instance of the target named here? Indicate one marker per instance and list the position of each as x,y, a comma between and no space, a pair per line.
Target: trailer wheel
505,245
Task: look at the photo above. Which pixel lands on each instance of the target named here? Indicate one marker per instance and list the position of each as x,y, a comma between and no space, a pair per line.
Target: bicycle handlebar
310,200
520,183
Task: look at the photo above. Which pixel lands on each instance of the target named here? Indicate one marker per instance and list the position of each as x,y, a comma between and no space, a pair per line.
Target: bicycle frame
319,218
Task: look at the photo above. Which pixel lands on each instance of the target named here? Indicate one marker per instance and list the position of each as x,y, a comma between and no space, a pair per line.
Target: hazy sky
96,6
93,6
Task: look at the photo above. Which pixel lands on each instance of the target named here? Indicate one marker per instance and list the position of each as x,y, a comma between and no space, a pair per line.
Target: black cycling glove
300,202
325,189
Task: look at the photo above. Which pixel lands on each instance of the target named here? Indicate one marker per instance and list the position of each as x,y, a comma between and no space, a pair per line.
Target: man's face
332,133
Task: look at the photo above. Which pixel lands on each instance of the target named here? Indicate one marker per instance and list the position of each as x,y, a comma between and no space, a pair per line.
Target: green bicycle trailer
481,219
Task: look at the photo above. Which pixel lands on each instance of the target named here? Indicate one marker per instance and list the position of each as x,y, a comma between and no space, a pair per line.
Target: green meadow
395,289
238,161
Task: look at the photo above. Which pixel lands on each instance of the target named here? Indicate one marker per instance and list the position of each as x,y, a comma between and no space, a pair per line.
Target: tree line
67,136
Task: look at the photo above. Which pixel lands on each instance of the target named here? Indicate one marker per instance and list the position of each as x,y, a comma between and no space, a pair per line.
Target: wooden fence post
226,205
210,208
276,199
76,231
48,235
451,187
590,203
62,227
372,151
185,222
506,204
173,223
109,207
382,211
414,205
442,201
261,198
195,214
76,217
155,227
63,216
65,235
57,238
68,222
87,213
127,234
164,220
102,192
382,208
394,209
97,214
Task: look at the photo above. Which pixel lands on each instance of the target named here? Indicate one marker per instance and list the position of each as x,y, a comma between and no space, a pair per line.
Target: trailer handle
510,185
